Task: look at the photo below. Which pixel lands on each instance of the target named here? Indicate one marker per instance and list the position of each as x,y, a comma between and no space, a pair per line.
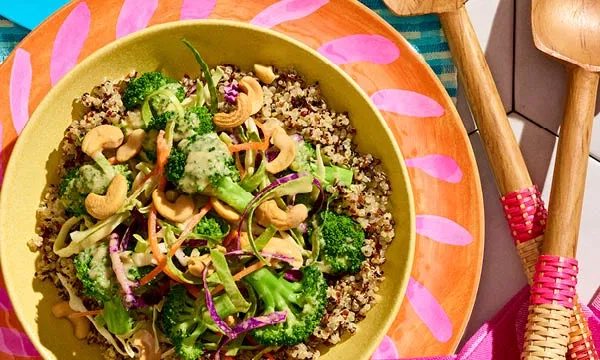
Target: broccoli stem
103,163
273,291
343,176
231,193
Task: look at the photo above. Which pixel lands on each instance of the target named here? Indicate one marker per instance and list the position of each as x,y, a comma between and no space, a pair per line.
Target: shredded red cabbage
303,228
271,154
260,321
293,275
126,285
222,325
320,202
231,93
195,243
191,90
297,137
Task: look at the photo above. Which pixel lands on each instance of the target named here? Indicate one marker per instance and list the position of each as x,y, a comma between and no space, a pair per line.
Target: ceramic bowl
35,156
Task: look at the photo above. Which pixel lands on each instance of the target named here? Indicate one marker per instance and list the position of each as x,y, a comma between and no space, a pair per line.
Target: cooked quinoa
300,108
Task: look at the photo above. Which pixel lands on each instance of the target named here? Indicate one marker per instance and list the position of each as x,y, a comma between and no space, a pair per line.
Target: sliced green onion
207,76
231,289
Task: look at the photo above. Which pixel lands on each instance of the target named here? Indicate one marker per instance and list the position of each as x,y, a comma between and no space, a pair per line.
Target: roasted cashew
244,240
236,117
143,341
252,88
287,151
178,211
103,206
268,213
264,73
100,138
286,247
196,264
81,325
132,147
225,211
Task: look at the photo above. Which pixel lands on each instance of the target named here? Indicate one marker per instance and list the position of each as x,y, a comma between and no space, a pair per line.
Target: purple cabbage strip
257,197
231,93
303,228
271,154
318,205
293,275
137,219
125,284
210,305
260,321
195,243
191,90
297,137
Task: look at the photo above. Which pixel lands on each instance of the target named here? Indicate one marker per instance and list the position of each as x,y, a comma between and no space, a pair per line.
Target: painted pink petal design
429,310
5,303
439,166
69,41
286,10
16,343
1,178
406,102
442,230
19,89
196,9
386,350
135,15
361,47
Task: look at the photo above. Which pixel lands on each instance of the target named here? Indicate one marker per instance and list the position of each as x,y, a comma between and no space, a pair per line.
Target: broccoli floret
159,122
149,145
203,164
341,240
304,302
81,181
138,89
212,227
197,121
93,268
186,320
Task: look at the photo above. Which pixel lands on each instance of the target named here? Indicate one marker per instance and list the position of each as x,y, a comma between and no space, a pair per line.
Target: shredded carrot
86,313
269,356
194,291
230,237
113,160
154,273
240,274
238,164
246,146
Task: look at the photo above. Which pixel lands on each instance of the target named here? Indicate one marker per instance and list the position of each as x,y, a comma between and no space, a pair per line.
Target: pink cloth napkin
501,338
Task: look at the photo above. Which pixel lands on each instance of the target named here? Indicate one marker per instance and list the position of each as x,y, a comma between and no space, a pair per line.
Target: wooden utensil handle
501,146
566,196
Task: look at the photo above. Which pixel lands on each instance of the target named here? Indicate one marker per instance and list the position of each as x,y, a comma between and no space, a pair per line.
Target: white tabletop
532,87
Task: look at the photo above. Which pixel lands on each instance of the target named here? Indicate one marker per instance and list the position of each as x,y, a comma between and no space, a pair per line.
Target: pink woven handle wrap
525,212
554,281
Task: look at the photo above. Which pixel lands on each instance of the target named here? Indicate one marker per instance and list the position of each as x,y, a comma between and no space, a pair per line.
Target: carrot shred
230,237
86,313
154,273
269,356
246,146
113,160
240,274
194,291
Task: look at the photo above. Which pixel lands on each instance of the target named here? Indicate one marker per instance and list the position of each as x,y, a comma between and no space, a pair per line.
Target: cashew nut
81,325
225,211
103,206
100,138
244,240
286,247
132,147
252,88
287,151
236,117
269,213
196,264
143,341
264,73
178,211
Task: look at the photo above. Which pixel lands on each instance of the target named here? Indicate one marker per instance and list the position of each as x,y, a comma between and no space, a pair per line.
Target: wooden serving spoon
568,30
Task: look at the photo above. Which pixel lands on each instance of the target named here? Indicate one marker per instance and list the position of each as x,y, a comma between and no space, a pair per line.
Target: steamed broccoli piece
212,227
305,161
197,121
341,240
159,122
185,320
203,164
81,181
139,88
304,302
93,268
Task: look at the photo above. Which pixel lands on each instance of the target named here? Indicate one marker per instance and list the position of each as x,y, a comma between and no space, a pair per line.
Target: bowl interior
34,159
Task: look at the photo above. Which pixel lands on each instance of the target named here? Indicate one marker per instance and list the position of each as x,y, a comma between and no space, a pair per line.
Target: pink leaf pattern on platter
406,102
429,310
286,10
196,9
5,303
386,350
16,343
135,15
442,230
438,166
20,87
375,49
69,41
